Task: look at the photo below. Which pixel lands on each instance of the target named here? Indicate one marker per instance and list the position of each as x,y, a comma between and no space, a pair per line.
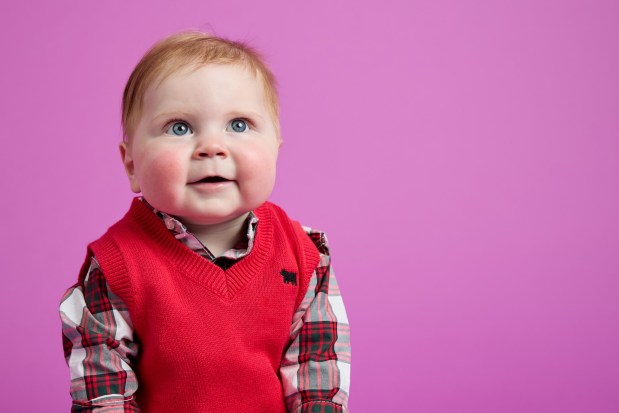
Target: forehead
210,85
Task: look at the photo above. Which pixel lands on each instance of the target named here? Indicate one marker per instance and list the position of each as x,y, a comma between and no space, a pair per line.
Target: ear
127,159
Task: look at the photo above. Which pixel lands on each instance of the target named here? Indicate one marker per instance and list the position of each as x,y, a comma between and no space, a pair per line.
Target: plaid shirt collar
181,233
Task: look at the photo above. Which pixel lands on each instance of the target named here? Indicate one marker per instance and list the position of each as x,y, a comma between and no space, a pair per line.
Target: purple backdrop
463,158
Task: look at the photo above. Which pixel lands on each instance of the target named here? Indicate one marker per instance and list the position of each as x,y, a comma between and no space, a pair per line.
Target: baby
205,297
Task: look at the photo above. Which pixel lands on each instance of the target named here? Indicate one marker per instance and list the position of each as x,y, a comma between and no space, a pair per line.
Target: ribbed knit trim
111,258
225,283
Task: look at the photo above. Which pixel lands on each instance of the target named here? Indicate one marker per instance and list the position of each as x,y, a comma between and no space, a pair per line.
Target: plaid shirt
100,349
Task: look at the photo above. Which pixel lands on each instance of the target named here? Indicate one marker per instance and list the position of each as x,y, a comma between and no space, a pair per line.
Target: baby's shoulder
318,238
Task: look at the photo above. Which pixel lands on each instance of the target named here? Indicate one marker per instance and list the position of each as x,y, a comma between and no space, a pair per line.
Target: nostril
210,151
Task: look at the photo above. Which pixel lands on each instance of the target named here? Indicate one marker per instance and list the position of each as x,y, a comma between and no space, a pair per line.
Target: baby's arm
315,369
97,335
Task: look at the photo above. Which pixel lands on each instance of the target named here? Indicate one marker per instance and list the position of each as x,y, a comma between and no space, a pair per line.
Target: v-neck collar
224,283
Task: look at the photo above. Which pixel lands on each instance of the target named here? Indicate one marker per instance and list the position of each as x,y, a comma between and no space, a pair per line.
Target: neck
221,237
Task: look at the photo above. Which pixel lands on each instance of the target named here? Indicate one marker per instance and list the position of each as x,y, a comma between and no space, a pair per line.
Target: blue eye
239,125
179,129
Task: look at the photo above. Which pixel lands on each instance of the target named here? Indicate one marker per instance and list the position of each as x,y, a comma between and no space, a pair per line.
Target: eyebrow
245,113
170,115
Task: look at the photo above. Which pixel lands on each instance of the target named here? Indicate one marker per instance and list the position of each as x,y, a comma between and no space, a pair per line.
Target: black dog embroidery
289,277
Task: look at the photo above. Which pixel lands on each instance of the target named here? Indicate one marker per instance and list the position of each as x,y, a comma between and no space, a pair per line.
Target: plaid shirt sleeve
97,336
315,369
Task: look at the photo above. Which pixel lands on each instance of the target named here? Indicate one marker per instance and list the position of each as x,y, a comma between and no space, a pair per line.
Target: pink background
462,157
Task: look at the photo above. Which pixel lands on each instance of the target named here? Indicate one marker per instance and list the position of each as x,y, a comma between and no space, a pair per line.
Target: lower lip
211,186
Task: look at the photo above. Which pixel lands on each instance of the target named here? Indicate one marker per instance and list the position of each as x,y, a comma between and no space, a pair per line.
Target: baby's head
201,129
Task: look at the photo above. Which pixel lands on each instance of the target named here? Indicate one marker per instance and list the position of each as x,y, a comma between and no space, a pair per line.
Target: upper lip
210,178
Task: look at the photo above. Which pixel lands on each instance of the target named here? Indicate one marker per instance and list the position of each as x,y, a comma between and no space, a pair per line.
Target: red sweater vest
209,340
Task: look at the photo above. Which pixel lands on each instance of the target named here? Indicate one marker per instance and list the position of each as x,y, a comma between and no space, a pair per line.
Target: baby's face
205,147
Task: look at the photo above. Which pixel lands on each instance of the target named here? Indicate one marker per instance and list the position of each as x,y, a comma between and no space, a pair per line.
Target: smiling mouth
211,180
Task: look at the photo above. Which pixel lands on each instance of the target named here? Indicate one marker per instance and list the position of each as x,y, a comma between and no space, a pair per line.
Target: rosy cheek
257,169
160,169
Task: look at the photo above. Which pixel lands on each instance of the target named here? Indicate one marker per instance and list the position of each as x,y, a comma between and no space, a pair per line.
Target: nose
210,146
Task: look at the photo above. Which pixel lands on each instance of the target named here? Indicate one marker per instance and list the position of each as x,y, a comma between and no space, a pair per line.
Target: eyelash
169,124
249,123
